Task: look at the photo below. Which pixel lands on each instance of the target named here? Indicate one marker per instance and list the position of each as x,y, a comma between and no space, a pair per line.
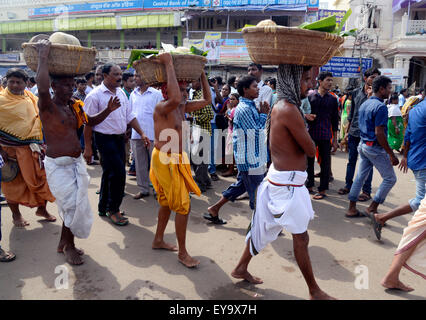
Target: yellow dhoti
171,177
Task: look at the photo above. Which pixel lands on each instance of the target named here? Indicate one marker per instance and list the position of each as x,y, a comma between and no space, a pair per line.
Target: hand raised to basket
43,47
164,58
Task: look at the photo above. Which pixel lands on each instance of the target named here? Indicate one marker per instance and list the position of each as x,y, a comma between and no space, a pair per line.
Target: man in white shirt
143,101
90,77
110,140
265,91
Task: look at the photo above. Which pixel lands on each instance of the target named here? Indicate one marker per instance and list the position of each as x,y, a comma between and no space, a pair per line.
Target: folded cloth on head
69,182
279,207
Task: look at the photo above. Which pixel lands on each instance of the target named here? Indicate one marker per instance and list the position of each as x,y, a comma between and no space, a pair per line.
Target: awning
97,23
402,4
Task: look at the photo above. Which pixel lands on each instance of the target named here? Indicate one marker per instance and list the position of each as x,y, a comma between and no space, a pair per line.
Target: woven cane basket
63,60
188,68
273,45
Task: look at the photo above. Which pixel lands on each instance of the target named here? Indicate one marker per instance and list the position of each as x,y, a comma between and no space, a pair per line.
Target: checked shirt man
249,141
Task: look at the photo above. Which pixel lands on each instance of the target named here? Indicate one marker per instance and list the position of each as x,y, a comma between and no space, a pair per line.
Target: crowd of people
266,133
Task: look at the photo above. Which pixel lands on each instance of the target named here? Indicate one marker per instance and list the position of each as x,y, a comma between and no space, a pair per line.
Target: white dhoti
69,182
279,207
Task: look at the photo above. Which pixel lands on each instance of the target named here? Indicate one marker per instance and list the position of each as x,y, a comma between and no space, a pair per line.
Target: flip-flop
215,220
319,196
343,191
357,215
311,191
377,227
120,222
364,197
6,256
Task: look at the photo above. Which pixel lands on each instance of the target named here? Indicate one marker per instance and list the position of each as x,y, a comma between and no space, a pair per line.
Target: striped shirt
1,162
203,116
249,138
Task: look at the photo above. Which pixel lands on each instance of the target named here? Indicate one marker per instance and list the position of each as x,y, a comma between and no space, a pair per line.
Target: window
373,18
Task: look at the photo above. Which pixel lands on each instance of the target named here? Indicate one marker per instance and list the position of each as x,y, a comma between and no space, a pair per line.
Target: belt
371,143
286,185
111,135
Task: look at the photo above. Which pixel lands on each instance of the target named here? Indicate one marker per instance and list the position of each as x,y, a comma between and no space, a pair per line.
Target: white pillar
402,62
404,25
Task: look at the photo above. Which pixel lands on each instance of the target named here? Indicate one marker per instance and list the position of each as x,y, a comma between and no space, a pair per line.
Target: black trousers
113,156
324,151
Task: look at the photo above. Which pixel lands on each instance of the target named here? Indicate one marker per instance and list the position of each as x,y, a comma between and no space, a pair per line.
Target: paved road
120,263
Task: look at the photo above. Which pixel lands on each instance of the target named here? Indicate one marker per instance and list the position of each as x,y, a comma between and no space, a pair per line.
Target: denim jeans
373,156
245,182
420,176
353,143
212,165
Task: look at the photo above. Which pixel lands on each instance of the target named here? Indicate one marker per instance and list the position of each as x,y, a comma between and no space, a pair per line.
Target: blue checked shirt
249,137
1,162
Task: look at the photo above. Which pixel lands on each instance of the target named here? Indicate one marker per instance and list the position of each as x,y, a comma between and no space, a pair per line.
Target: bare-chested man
65,169
282,198
170,167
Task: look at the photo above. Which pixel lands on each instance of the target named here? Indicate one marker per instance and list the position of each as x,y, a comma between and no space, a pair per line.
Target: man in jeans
324,107
353,136
4,255
414,158
249,148
374,149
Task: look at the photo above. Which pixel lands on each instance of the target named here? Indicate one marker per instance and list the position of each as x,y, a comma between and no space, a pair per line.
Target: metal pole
227,28
408,20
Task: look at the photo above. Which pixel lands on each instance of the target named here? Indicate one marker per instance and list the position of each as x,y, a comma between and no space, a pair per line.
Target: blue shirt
372,113
416,135
249,136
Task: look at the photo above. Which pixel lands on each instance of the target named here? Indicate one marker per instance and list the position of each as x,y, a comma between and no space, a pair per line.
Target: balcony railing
416,27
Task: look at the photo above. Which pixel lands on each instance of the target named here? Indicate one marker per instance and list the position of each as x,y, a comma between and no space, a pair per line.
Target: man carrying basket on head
170,167
66,171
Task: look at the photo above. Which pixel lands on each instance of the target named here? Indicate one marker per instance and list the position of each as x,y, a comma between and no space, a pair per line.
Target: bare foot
188,261
72,256
395,285
246,276
42,212
61,249
163,246
320,295
20,223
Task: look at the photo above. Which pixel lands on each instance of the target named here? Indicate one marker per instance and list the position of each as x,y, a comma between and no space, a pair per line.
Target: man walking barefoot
283,200
170,168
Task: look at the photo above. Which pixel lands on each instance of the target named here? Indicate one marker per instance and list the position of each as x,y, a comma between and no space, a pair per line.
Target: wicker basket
188,67
273,45
64,60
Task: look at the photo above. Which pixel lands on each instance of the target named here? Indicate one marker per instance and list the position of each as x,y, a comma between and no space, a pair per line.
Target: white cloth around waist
279,207
69,182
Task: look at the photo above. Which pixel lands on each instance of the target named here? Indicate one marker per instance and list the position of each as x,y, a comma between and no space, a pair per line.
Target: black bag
221,121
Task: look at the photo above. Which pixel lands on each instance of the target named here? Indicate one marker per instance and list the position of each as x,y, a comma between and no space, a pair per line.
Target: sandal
6,256
118,222
364,197
377,227
358,214
343,191
215,220
319,196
